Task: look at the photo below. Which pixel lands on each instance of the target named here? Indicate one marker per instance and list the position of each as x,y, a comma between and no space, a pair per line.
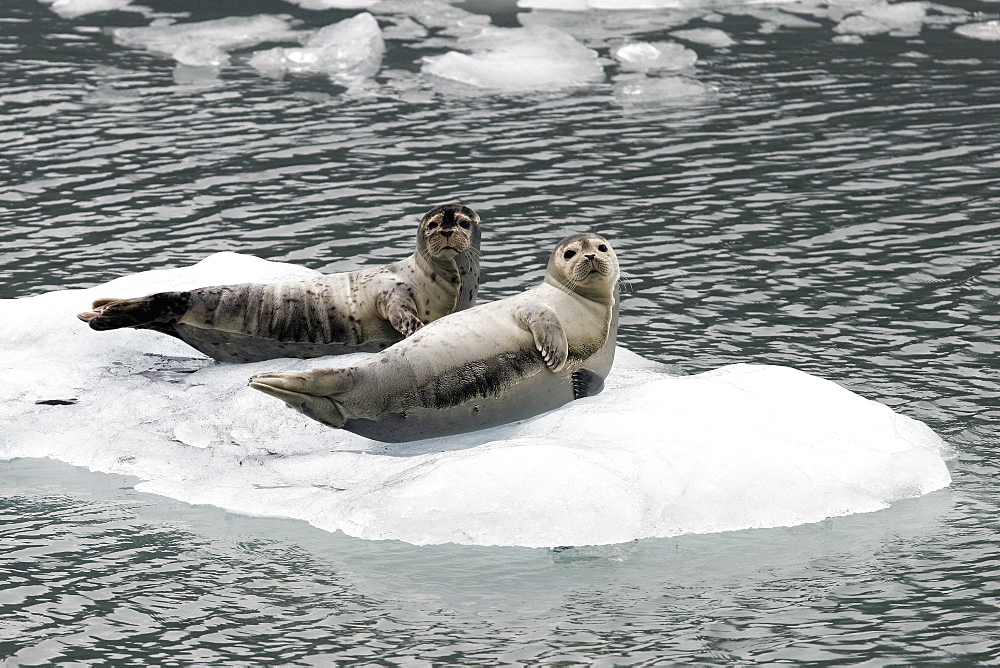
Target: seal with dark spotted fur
360,311
490,365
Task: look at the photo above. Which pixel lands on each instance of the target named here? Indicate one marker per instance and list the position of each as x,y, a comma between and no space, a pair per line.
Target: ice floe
709,36
518,59
651,56
645,91
345,51
320,5
203,41
988,30
654,455
71,9
902,19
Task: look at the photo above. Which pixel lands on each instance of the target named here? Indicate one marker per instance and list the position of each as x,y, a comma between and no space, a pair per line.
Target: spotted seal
365,310
489,365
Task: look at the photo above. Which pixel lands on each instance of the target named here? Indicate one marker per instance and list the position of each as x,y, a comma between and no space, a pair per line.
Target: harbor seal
360,311
489,365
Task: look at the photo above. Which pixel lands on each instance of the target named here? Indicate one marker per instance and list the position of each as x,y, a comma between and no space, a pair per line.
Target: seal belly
523,399
233,347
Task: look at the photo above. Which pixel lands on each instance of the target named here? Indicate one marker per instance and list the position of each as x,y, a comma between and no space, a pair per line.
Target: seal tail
137,312
309,392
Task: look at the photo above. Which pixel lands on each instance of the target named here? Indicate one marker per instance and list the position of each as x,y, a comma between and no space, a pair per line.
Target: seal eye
465,224
602,248
432,225
568,254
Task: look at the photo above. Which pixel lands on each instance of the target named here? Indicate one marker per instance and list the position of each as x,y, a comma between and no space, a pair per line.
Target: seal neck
597,294
458,274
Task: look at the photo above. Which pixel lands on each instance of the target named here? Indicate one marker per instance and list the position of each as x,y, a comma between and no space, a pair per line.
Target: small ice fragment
71,9
348,50
989,31
849,39
710,36
518,59
646,56
660,90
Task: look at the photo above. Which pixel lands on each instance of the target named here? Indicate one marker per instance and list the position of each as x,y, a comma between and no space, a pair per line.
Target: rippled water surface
830,206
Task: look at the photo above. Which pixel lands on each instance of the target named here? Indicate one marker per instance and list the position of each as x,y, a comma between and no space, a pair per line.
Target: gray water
833,208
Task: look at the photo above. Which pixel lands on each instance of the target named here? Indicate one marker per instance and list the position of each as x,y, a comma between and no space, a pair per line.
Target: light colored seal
492,364
365,310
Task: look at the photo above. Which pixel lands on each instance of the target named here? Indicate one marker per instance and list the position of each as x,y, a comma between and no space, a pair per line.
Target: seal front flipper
136,312
548,332
586,383
309,393
397,306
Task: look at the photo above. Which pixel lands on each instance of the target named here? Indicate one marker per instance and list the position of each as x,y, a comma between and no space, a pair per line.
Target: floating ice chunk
989,30
647,56
653,455
200,55
518,59
615,5
660,90
904,18
345,51
710,36
453,21
201,41
71,9
320,5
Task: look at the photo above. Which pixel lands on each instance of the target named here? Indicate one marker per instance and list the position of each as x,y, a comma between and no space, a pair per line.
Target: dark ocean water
833,207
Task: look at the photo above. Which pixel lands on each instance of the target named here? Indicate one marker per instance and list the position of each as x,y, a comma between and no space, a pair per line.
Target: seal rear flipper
321,409
586,383
137,312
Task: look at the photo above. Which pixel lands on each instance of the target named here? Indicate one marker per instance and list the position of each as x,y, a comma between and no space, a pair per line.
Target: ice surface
649,56
518,59
203,41
653,455
345,51
989,30
710,36
71,9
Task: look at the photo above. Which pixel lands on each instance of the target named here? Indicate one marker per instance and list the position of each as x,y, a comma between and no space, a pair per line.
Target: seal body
492,364
360,311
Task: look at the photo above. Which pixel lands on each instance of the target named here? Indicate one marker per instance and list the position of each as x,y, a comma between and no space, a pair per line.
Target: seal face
492,364
359,311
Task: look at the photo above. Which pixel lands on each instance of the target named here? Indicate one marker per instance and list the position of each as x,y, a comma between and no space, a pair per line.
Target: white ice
518,59
651,56
204,43
346,51
988,30
71,9
653,455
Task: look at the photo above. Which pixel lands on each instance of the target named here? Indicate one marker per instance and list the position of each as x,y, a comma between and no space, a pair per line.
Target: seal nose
447,233
590,256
